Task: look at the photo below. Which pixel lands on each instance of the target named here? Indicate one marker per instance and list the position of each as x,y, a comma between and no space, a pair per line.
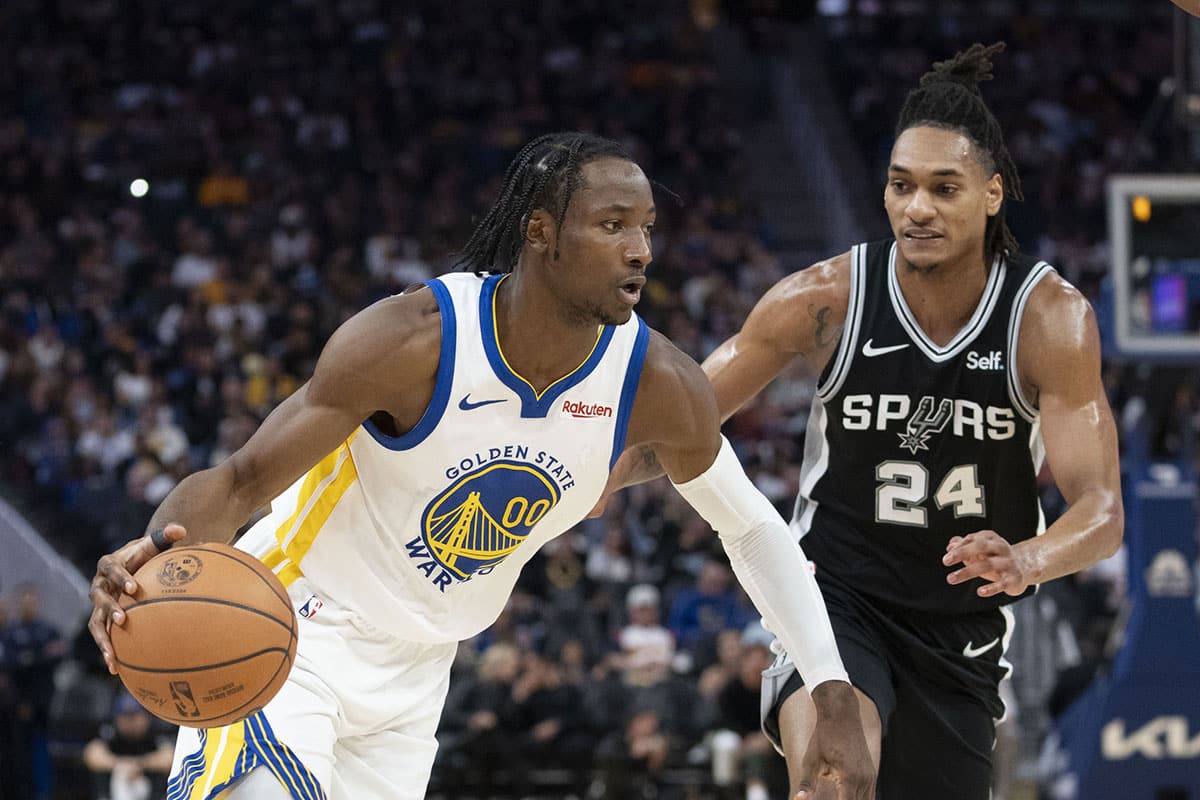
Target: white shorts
356,718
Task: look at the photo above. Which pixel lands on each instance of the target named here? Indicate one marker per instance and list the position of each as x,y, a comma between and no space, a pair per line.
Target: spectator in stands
630,759
763,774
478,722
553,727
612,562
33,647
12,755
711,605
130,758
647,648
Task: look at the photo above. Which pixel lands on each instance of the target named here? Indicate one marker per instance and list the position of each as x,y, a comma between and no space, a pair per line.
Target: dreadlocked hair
544,174
948,97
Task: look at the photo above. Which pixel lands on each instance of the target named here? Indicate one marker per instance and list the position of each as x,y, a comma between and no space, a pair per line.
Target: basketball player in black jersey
949,365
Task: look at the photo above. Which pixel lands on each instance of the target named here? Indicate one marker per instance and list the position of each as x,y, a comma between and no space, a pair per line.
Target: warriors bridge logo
480,519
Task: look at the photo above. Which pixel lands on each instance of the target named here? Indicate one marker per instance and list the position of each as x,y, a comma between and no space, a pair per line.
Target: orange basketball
209,637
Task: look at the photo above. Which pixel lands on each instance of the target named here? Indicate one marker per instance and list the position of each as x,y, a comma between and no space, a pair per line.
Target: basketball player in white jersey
445,435
949,364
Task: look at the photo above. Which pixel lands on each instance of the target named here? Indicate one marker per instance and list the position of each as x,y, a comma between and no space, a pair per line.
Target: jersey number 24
904,488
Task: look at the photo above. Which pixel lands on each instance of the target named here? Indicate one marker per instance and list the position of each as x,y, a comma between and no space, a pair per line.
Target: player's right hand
114,577
837,764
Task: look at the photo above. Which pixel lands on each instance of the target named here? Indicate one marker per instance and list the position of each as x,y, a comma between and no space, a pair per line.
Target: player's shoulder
828,278
673,389
799,312
1055,309
403,331
411,313
1058,336
669,369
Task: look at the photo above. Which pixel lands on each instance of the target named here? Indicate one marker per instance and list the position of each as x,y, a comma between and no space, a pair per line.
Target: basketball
208,639
1190,6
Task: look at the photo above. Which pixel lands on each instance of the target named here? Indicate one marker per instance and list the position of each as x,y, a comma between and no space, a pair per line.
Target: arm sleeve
769,563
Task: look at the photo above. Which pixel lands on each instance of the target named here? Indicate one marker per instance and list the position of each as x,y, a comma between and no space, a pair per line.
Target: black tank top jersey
910,444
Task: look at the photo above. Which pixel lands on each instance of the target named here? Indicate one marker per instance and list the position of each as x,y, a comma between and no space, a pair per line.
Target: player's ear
994,194
540,232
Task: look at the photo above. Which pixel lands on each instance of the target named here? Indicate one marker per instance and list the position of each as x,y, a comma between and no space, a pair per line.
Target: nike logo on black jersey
870,350
466,405
975,652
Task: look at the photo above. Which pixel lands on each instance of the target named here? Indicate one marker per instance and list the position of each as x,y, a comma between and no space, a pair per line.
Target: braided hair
544,174
948,97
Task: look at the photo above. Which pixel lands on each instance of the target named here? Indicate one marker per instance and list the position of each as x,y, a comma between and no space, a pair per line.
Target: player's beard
924,269
592,313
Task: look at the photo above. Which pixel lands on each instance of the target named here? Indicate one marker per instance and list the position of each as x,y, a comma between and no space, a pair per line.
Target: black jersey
910,444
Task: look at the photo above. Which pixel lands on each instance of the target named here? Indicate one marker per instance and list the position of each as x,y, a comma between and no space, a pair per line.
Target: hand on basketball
114,577
988,555
837,764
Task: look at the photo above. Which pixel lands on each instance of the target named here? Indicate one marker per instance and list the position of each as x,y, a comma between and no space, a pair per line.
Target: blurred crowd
1070,94
195,194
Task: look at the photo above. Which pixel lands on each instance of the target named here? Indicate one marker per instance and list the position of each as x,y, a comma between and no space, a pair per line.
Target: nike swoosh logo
466,405
975,652
870,351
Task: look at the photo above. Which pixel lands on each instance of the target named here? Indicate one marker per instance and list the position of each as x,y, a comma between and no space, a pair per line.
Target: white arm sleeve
769,563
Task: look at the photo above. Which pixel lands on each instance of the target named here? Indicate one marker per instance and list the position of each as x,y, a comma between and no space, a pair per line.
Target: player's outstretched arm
1058,354
675,413
799,319
383,358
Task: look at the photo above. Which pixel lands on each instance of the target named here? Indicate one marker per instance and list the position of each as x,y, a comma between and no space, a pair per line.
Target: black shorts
934,680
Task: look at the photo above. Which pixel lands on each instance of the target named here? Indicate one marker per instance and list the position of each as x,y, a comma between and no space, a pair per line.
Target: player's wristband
159,537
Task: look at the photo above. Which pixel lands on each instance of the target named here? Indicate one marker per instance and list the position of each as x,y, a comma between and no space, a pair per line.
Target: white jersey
424,534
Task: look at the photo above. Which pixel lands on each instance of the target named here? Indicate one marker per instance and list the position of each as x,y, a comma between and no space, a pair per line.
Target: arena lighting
1141,208
139,187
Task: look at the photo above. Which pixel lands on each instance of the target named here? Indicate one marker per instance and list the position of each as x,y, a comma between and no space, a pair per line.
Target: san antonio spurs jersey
424,534
910,443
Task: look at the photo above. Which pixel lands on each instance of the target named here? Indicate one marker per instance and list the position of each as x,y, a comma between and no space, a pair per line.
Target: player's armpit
799,319
636,465
1059,358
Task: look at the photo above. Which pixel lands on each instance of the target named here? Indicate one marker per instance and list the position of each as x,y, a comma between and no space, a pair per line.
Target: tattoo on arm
648,467
643,466
826,334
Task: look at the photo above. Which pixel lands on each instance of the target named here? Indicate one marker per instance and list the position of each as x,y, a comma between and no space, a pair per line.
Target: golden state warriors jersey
424,534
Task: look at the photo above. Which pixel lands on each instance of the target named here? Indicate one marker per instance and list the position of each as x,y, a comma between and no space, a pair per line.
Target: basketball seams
188,670
245,600
238,714
291,628
256,566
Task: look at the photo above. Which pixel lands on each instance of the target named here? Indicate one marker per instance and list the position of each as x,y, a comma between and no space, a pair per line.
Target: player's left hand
988,555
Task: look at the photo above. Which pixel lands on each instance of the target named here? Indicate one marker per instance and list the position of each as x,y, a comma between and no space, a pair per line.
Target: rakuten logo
577,409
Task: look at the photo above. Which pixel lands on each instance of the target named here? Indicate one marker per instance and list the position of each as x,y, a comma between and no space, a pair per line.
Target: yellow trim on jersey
319,514
274,558
221,755
288,575
315,477
536,394
284,559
